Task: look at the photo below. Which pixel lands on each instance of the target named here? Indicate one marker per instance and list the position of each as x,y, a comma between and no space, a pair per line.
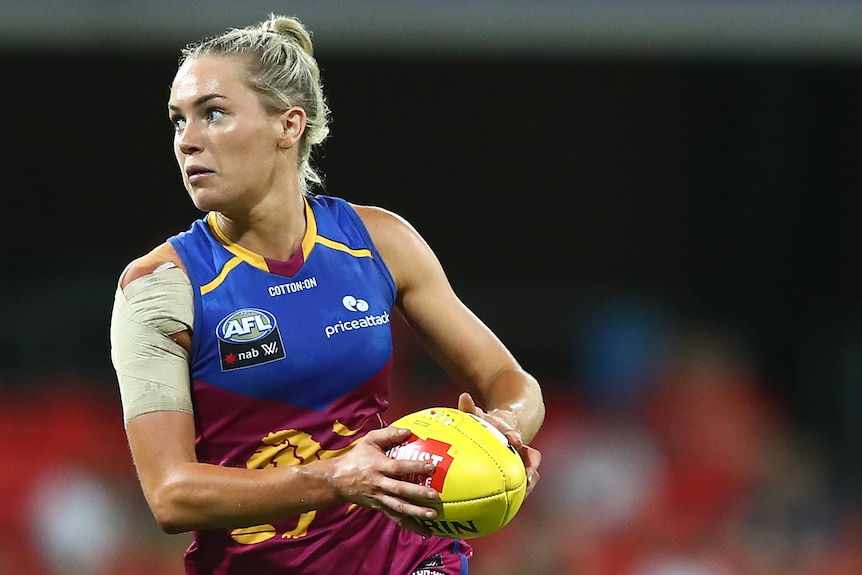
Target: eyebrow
200,100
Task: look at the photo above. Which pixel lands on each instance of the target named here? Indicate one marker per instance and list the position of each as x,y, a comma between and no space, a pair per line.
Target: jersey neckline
287,267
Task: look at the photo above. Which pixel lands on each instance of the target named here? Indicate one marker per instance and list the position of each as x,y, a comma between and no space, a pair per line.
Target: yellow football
480,477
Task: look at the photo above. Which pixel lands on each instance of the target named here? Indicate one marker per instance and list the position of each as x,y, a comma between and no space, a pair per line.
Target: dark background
726,191
603,182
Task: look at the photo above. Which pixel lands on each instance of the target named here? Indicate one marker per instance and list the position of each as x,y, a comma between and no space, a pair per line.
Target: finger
406,514
410,485
410,472
532,480
515,440
417,509
388,437
532,459
466,403
409,523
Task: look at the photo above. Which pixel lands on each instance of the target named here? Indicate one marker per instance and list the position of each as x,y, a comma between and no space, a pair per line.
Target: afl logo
248,337
246,325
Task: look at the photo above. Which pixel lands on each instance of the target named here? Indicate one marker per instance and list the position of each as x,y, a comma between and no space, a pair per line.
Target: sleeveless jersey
290,364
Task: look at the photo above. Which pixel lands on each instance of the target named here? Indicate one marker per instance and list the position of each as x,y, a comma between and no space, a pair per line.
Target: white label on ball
497,433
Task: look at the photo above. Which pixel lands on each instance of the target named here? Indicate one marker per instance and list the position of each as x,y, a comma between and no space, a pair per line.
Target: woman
253,350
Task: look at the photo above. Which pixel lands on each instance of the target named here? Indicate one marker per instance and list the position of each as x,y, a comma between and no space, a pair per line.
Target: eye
214,115
178,122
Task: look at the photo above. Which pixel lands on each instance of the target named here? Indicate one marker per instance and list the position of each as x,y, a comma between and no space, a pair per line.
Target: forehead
208,75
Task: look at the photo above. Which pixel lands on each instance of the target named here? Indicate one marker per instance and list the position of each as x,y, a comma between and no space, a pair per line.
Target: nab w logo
248,337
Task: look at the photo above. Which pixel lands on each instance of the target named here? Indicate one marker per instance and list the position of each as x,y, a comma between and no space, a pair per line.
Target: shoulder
388,230
406,253
385,224
164,254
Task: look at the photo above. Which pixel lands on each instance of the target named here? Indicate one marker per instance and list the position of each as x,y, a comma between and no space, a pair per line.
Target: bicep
462,343
159,442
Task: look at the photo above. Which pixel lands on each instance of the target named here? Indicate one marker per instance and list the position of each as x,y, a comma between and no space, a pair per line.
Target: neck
275,233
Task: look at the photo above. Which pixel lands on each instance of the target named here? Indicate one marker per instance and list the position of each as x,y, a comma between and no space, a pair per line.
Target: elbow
169,519
171,528
169,509
170,525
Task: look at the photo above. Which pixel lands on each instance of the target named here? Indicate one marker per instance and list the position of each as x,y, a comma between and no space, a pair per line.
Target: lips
197,173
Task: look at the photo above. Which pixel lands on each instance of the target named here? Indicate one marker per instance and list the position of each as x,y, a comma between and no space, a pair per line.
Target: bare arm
185,494
466,348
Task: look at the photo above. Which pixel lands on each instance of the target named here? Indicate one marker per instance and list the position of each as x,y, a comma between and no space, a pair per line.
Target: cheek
248,149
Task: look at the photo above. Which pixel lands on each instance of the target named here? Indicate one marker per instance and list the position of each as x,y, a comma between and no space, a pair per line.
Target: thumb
466,403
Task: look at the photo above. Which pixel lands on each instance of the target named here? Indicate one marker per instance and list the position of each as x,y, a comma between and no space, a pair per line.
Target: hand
366,476
505,421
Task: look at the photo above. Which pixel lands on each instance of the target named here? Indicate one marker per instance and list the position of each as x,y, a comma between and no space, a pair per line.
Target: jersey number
280,449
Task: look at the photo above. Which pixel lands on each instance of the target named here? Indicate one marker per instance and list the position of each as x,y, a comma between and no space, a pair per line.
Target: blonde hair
283,72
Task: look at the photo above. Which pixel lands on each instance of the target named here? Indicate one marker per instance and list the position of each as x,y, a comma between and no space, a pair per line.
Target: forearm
194,496
515,396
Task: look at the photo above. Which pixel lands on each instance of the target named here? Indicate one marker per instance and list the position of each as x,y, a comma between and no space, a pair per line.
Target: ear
292,126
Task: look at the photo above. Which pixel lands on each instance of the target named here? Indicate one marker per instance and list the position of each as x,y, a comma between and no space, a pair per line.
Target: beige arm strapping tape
152,369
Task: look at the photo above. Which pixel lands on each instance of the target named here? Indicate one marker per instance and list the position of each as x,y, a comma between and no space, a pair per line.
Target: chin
205,200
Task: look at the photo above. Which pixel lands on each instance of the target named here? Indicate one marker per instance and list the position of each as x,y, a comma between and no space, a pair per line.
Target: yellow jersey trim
363,253
309,240
210,286
246,255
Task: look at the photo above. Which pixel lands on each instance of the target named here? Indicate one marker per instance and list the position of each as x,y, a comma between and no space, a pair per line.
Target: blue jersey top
290,364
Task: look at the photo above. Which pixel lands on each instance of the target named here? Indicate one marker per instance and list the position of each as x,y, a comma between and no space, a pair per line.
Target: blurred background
655,204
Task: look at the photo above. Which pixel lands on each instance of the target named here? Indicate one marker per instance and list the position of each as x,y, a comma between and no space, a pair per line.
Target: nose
188,140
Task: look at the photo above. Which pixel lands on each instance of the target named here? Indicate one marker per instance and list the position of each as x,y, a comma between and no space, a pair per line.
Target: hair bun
293,29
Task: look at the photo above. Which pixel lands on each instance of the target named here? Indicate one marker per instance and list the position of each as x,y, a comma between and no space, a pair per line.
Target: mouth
197,173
